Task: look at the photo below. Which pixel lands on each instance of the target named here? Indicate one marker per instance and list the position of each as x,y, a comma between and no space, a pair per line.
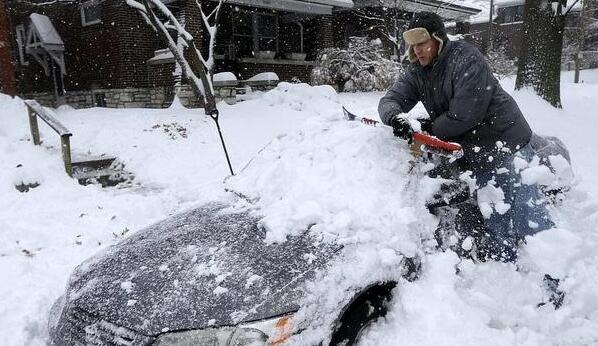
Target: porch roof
43,40
301,6
447,10
47,34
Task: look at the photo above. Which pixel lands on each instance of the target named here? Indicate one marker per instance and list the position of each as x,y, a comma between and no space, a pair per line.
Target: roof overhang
297,6
446,10
508,3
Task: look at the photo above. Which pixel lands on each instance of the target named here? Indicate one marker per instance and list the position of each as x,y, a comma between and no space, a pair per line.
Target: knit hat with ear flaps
432,23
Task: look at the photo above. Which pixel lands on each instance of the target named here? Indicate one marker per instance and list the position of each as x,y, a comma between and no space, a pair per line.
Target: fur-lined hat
422,27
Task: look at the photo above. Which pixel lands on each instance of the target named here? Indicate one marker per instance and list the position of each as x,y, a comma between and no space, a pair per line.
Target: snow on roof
47,33
336,3
507,3
264,76
483,5
162,55
449,10
299,6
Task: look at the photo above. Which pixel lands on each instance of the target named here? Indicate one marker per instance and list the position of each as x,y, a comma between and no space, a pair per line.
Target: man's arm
401,98
473,87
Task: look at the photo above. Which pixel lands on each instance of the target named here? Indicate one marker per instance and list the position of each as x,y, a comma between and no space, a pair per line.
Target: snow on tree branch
361,67
195,67
388,29
163,31
212,29
171,19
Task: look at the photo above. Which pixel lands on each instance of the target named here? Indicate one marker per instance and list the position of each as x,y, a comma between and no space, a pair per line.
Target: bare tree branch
194,67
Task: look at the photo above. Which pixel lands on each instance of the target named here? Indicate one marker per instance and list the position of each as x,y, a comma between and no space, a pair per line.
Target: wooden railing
36,110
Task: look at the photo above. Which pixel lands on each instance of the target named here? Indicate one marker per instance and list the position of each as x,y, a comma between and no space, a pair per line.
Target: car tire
363,311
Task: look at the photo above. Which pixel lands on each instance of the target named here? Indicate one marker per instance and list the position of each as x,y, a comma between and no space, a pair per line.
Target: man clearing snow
467,105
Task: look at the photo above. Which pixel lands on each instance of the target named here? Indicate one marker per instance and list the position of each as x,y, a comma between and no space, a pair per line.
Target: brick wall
136,43
111,54
160,74
325,33
7,75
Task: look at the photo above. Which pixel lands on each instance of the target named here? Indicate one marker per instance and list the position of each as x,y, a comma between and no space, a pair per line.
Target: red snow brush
421,141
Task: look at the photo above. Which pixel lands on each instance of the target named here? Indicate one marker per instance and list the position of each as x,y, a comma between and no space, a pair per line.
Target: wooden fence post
65,142
33,126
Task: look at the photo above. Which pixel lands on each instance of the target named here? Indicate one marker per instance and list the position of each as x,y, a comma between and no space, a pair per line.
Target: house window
267,32
21,36
91,13
100,99
254,32
512,14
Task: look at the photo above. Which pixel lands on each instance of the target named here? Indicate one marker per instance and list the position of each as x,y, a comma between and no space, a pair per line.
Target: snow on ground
303,167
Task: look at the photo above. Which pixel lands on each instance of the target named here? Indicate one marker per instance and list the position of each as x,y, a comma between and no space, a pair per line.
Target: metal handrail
36,110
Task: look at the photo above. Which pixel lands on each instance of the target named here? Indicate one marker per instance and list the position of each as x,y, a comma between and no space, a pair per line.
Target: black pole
208,98
489,47
214,117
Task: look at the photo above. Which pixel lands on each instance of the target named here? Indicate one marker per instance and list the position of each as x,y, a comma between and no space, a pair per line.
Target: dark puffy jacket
465,102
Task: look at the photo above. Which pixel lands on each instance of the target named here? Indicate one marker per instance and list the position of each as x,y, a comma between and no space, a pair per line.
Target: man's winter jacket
466,104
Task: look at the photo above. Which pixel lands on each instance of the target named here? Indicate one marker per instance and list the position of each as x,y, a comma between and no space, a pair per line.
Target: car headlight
270,332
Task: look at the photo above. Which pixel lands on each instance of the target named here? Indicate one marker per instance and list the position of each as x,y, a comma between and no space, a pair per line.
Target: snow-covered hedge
500,63
360,67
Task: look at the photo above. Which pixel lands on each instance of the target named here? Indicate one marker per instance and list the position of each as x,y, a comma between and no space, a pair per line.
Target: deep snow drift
303,167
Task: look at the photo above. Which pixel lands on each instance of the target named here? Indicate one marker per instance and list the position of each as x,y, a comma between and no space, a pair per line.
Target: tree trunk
540,59
581,35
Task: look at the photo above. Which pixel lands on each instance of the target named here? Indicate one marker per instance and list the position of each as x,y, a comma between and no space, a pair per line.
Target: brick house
89,53
113,58
507,32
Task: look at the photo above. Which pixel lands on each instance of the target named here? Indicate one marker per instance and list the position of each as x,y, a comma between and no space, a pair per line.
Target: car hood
206,267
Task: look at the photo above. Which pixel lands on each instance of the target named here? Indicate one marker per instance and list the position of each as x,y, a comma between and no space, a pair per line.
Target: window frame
21,38
513,14
255,35
259,36
86,5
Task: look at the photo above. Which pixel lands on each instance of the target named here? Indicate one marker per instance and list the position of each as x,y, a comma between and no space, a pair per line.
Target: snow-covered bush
360,67
500,63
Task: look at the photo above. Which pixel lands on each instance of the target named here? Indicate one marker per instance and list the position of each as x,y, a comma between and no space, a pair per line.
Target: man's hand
400,127
426,125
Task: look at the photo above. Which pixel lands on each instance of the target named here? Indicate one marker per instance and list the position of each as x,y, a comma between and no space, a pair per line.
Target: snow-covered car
277,270
204,277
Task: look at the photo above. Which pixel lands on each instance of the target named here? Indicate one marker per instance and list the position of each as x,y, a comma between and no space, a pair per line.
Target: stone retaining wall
158,97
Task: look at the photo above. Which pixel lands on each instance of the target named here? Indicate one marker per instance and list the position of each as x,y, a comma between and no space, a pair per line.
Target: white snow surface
224,77
264,76
303,167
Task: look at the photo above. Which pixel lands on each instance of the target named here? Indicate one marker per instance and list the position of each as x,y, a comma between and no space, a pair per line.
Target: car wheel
363,311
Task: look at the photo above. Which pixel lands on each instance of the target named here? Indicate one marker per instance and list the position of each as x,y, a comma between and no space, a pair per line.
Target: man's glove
400,127
426,125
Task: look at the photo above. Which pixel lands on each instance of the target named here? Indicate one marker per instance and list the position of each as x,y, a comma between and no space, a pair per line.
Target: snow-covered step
103,170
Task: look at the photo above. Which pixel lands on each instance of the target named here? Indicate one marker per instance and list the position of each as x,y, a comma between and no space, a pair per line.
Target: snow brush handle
434,142
418,137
